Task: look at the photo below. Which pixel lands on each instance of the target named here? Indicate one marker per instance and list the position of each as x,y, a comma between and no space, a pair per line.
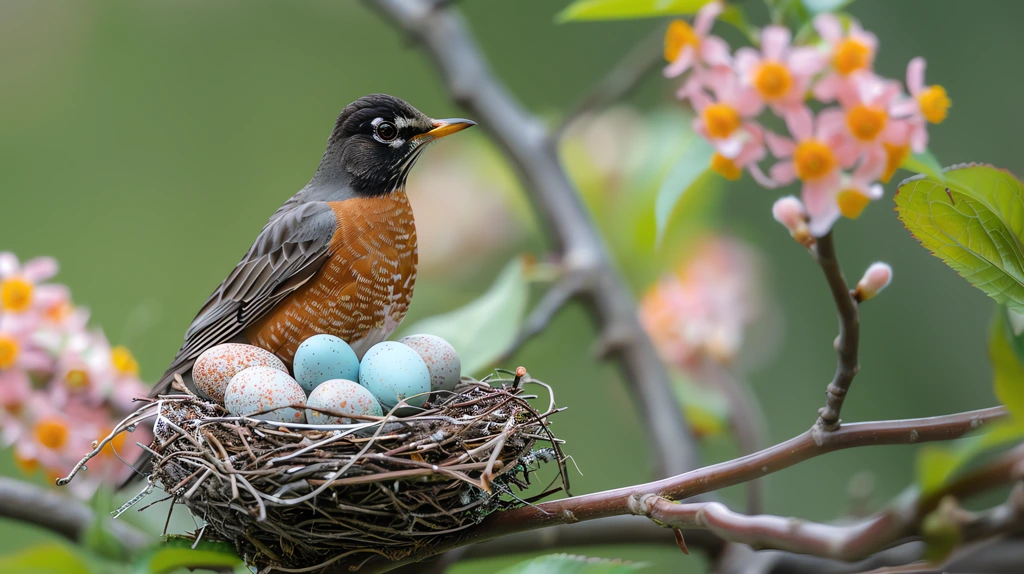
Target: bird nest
299,497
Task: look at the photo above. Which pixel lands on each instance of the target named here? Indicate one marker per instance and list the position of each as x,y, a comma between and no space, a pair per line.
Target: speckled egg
439,355
214,369
394,372
343,397
260,389
322,358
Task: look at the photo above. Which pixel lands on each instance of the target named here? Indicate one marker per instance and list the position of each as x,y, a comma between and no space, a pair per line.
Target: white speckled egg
394,372
260,389
343,397
439,355
214,369
322,358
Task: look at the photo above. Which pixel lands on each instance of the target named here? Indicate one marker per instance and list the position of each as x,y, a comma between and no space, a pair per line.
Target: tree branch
849,332
810,444
60,514
530,147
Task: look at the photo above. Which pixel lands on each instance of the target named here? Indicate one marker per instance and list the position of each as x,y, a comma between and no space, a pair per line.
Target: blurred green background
144,143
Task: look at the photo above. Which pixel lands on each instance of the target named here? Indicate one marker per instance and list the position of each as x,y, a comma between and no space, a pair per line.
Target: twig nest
304,496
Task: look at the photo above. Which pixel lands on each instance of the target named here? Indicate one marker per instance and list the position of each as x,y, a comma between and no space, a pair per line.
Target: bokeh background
144,143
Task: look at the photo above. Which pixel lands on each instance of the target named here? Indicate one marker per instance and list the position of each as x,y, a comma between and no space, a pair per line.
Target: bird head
377,139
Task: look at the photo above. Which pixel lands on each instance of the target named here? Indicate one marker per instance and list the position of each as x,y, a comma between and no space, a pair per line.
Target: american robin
339,257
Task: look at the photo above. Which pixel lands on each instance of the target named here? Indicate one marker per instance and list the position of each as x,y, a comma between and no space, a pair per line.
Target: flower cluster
865,126
62,385
701,311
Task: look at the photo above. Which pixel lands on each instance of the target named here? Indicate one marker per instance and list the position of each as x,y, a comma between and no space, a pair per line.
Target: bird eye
386,131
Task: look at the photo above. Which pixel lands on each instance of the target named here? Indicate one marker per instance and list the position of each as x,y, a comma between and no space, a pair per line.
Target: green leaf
177,553
485,328
44,559
974,221
98,538
925,163
942,535
1008,372
625,9
570,564
688,174
936,464
706,409
819,6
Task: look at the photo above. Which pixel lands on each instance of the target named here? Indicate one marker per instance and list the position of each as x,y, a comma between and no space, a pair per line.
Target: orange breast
363,289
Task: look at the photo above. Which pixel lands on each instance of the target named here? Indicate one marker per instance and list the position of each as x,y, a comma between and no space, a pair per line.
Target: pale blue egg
342,398
394,372
323,358
439,355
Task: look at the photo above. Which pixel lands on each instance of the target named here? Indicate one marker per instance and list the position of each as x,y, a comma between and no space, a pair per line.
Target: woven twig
299,497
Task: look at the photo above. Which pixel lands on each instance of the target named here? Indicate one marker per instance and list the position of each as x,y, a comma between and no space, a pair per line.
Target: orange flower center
58,312
124,362
26,465
721,120
725,167
51,433
813,159
866,123
679,35
8,351
851,55
77,379
15,294
895,155
852,203
772,80
934,104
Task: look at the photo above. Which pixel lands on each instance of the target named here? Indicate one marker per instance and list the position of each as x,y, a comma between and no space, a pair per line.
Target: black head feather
372,148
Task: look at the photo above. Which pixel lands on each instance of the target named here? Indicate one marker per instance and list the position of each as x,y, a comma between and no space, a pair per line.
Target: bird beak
445,127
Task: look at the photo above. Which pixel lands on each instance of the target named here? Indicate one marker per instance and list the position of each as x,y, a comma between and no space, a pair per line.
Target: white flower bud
877,277
790,212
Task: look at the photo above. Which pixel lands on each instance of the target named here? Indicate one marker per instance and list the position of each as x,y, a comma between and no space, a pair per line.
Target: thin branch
528,144
810,444
849,332
616,530
621,80
60,514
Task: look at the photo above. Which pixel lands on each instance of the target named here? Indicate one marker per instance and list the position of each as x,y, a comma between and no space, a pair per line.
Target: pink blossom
850,53
19,357
815,157
864,115
20,284
927,104
694,47
83,369
779,74
702,310
725,120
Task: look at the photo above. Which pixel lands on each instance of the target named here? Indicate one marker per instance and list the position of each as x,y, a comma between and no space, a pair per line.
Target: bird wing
291,248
